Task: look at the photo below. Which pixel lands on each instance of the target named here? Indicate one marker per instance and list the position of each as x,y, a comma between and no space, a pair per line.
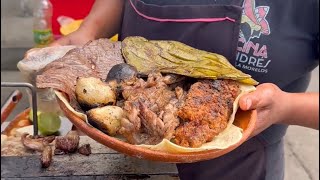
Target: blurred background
301,144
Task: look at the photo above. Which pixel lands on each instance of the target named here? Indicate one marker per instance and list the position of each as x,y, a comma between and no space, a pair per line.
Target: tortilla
230,136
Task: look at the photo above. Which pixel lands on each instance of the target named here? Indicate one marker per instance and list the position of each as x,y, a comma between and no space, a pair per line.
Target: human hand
78,37
269,101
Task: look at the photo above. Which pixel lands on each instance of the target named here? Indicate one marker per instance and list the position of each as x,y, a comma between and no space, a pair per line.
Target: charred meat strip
46,157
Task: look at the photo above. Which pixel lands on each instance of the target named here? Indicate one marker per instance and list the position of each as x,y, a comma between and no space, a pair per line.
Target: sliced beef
94,59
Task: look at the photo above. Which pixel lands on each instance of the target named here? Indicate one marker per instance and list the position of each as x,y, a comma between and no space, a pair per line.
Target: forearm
104,19
302,109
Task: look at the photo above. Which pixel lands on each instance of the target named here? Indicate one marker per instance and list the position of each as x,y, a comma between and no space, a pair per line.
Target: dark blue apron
212,28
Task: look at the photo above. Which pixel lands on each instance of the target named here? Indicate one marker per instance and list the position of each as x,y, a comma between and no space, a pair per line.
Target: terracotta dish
245,120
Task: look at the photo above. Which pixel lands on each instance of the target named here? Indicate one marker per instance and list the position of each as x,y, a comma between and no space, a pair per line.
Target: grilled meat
94,59
206,111
46,157
151,109
85,149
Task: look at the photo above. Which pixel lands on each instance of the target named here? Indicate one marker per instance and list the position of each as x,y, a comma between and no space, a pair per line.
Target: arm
103,21
303,109
275,106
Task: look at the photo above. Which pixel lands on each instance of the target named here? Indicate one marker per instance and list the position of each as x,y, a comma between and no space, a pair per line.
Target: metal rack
33,102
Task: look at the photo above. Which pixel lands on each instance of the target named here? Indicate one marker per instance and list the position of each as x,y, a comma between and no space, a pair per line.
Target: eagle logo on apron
252,52
253,21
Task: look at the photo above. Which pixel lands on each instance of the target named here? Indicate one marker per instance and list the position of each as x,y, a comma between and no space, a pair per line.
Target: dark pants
251,161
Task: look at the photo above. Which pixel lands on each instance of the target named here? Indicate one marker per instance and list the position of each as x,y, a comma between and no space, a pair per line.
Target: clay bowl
244,119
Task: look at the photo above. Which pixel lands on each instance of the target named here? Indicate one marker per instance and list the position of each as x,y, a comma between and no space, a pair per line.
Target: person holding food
260,38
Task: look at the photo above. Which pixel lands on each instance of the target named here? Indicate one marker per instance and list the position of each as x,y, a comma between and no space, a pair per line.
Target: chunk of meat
170,119
206,111
154,93
130,125
173,78
152,123
194,133
151,110
85,149
46,157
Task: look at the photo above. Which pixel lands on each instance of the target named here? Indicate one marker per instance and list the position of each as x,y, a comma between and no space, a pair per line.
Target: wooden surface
103,163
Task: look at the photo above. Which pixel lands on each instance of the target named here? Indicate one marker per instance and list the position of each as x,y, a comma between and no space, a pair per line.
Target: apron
213,28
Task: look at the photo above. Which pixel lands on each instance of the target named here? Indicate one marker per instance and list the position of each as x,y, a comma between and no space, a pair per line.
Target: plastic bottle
42,23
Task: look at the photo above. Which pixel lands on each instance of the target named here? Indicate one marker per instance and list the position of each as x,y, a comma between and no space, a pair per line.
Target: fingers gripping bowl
172,112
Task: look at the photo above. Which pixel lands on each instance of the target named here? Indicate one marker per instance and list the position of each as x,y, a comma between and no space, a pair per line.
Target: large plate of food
153,99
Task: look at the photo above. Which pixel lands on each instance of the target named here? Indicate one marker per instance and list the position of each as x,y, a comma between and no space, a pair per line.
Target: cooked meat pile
206,111
94,59
156,109
151,109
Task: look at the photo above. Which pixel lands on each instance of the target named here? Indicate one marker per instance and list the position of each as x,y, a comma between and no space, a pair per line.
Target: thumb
249,101
259,98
